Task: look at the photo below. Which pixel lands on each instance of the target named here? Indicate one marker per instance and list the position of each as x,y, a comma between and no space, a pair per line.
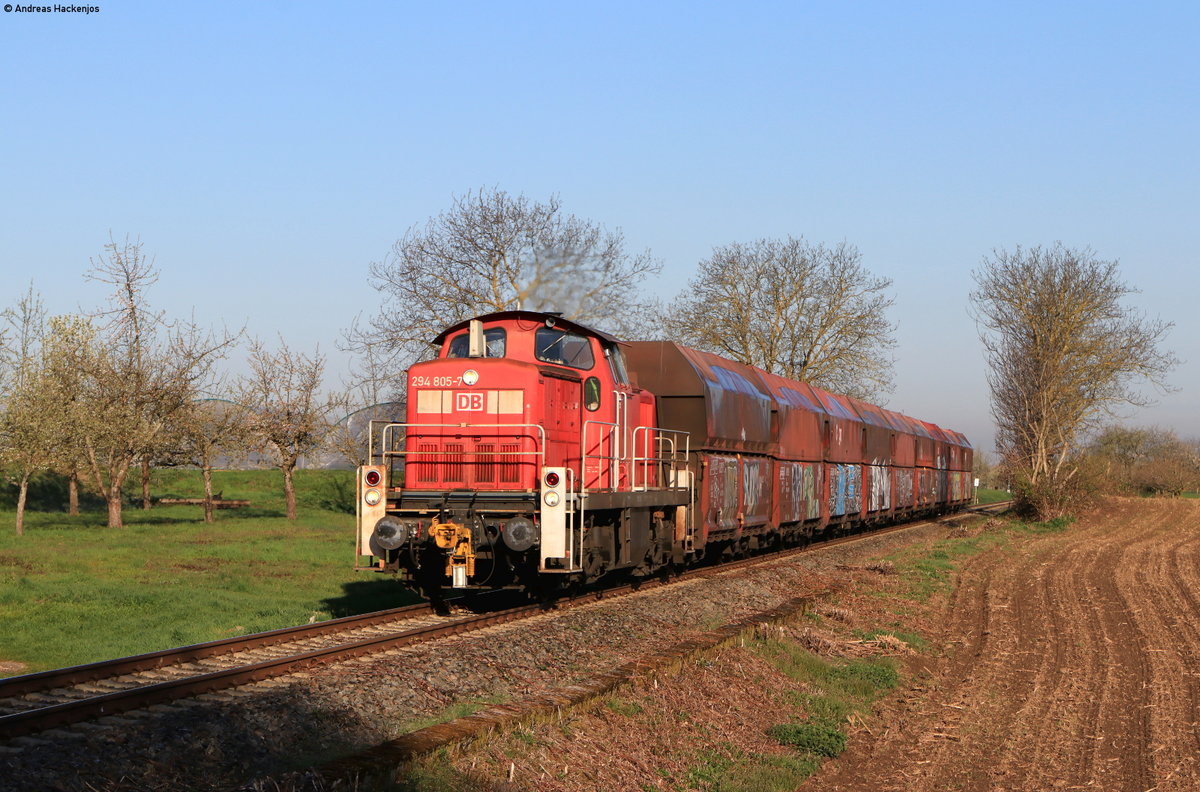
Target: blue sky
266,152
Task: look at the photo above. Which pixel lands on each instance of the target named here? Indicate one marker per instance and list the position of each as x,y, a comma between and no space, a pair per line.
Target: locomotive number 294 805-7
435,382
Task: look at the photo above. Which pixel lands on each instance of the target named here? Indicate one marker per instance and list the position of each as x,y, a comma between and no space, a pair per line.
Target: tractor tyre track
1071,661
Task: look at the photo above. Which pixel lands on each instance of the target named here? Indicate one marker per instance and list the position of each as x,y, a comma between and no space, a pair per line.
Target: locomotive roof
538,317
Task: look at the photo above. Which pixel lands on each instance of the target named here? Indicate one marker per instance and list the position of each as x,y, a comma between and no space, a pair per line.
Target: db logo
468,402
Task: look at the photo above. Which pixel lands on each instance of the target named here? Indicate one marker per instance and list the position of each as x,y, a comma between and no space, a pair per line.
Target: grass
815,737
913,640
1057,525
827,693
74,591
833,691
984,495
732,770
837,688
623,707
929,571
460,709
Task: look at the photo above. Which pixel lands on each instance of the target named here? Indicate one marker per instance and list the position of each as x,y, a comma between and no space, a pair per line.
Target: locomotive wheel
593,566
437,601
551,588
429,582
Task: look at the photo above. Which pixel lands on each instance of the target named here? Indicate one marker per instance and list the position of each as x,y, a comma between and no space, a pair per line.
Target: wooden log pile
218,503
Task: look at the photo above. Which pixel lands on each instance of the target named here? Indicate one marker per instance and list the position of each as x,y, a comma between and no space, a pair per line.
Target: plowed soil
1057,660
1074,663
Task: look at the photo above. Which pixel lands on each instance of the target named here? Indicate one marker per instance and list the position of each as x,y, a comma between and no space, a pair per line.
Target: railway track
39,702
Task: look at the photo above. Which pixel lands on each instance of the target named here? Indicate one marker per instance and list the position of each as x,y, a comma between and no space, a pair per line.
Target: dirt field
1078,667
1059,661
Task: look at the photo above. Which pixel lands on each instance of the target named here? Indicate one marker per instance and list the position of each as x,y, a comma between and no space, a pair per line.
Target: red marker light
551,479
372,478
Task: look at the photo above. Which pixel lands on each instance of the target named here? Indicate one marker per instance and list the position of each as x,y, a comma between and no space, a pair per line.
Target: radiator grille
510,468
485,462
452,467
470,463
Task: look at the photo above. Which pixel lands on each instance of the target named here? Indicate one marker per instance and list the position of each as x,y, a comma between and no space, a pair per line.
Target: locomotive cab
524,449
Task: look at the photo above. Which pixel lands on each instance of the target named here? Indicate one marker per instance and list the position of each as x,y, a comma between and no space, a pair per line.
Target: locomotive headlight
470,377
372,497
551,499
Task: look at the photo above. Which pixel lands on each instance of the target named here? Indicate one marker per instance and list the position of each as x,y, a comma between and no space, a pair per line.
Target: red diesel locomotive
539,452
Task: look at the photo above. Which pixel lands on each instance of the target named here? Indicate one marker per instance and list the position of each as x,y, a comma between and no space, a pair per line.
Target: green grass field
74,591
983,495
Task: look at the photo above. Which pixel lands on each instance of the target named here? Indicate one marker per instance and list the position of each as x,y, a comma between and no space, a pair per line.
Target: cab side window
616,362
591,394
551,345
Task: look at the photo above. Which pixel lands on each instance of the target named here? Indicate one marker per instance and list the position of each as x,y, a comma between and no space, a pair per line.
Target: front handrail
613,457
670,462
666,453
574,506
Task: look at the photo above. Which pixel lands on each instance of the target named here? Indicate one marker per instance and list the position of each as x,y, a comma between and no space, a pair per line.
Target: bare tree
287,411
25,429
804,311
1120,450
22,328
492,251
204,431
1064,353
367,399
141,372
1145,460
348,438
1171,474
28,420
67,346
982,468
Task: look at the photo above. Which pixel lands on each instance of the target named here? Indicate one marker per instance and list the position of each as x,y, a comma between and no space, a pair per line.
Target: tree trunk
208,496
114,510
289,490
73,494
116,477
146,483
21,504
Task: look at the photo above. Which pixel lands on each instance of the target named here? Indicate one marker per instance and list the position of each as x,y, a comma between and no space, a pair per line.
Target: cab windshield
493,344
